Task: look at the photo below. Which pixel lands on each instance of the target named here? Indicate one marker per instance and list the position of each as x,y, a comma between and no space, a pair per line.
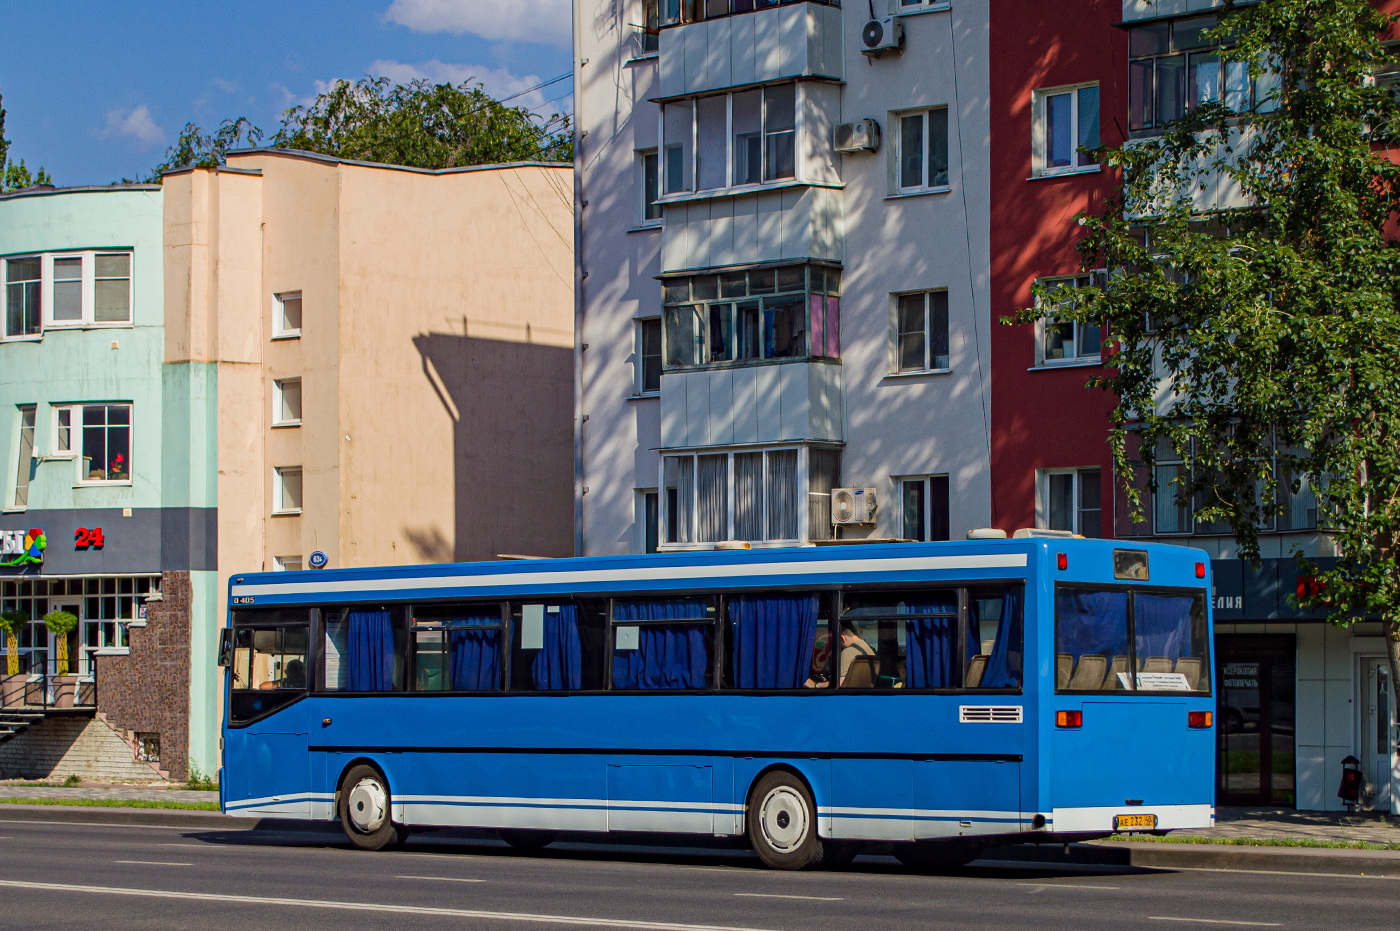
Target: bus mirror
226,647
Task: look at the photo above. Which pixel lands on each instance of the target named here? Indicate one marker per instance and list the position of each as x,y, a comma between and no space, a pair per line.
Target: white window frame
639,386
729,187
1040,138
76,442
803,495
279,390
278,315
287,564
88,288
926,480
928,368
1042,498
911,7
59,451
896,124
279,475
643,221
1081,280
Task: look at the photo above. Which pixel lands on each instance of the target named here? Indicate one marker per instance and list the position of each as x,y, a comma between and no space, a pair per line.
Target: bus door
266,745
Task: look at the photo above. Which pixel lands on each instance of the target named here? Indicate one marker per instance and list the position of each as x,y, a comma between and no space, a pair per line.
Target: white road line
1218,921
1065,886
774,895
152,863
443,879
369,907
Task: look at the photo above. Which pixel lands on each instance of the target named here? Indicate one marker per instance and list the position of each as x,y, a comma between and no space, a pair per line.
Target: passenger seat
1088,675
862,673
1111,680
975,669
1064,665
1190,667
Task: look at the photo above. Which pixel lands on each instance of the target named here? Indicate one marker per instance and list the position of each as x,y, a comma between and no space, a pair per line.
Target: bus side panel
872,799
967,798
553,791
661,795
271,772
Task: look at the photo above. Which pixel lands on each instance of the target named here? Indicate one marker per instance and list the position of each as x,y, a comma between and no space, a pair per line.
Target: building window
648,517
106,443
757,495
677,12
730,140
1065,342
753,316
1070,499
649,32
1173,67
649,171
924,508
286,564
286,402
649,356
63,432
921,332
1067,120
68,290
148,748
286,490
921,151
24,469
286,315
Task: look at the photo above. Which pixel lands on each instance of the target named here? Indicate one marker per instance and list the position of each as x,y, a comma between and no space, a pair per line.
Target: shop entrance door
1378,749
1254,720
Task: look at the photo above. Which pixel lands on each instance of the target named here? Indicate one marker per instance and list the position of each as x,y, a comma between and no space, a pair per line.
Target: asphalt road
67,876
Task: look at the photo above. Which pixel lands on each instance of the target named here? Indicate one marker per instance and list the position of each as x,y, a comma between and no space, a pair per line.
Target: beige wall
435,355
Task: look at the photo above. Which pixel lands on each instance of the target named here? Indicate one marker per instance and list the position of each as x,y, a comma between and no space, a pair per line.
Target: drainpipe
579,276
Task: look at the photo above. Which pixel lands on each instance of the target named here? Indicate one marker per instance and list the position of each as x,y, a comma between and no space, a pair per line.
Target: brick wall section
148,690
66,745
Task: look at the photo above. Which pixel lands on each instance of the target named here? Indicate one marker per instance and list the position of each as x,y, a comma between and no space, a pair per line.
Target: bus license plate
1123,822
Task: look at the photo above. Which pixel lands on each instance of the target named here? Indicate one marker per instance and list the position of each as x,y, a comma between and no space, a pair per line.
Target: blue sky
94,90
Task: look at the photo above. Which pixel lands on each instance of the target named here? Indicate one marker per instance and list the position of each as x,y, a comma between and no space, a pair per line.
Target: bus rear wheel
526,840
782,823
365,809
933,856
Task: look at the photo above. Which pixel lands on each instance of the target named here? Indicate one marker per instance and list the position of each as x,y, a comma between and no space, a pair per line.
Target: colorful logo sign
22,548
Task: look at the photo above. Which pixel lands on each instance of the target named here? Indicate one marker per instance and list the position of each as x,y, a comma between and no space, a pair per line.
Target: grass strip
113,803
1254,841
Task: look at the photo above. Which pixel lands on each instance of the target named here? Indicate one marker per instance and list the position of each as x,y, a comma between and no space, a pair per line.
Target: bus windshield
1144,640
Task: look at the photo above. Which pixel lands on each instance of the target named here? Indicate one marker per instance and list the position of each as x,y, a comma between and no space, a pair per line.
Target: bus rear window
1122,639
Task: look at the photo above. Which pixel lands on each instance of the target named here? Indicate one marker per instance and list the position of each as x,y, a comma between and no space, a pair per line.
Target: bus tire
526,840
365,809
782,822
934,856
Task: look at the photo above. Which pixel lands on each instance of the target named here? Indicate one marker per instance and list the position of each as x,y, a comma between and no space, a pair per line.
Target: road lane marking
774,895
1065,886
152,863
1218,921
369,907
443,879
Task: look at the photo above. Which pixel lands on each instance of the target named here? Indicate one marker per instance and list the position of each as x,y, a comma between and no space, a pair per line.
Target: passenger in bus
852,646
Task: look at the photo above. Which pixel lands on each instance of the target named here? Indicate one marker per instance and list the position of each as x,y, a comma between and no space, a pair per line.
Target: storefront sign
85,537
1267,592
22,547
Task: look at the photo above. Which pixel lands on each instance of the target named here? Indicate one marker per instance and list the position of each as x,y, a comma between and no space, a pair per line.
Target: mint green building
107,462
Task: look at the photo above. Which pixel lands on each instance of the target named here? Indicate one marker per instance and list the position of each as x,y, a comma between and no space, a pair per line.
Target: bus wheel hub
367,806
783,815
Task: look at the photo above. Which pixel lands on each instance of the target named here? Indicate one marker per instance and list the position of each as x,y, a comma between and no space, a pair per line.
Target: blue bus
939,697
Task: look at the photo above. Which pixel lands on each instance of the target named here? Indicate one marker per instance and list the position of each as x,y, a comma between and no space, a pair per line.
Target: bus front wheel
365,809
782,823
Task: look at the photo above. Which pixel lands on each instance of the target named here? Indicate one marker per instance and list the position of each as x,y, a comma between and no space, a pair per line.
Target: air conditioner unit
882,35
851,506
860,136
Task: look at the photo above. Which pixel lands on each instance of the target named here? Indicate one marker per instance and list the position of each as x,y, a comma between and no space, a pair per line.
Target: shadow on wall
513,479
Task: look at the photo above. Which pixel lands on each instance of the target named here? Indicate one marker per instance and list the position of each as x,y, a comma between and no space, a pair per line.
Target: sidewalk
1284,824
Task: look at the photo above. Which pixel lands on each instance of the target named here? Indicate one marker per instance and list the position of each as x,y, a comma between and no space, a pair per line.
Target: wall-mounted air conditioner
860,136
852,506
882,35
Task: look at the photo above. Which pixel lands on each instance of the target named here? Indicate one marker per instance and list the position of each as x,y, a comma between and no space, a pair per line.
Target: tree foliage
1258,337
13,176
418,124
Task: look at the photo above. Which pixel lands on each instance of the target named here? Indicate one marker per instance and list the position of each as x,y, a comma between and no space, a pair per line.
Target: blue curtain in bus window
668,656
1004,666
1163,626
1091,622
931,652
371,652
559,666
773,640
474,653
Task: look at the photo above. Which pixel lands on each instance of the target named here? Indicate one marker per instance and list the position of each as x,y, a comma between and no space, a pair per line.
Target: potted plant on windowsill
64,687
12,689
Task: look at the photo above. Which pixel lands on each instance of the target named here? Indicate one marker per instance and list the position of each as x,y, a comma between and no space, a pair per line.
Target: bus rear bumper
1102,820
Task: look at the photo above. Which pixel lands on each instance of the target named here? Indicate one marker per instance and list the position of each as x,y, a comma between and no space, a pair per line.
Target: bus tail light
1062,561
1070,718
1200,570
1199,718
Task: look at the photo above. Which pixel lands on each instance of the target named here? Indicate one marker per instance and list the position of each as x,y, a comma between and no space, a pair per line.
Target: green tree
14,177
207,150
1260,342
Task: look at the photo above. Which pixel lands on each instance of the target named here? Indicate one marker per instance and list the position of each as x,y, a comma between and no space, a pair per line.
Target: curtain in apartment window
713,499
371,651
680,498
823,474
931,661
559,666
474,654
1004,668
783,495
748,496
668,656
773,638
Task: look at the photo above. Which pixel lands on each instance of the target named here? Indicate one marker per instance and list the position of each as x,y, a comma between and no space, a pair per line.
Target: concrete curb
160,817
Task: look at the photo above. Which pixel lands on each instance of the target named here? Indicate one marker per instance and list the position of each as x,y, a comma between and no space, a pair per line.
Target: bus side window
1091,640
457,648
996,638
777,640
269,669
558,646
899,639
365,649
663,643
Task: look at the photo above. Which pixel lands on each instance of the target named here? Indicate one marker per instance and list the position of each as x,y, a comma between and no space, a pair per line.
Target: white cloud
136,124
227,86
498,82
546,21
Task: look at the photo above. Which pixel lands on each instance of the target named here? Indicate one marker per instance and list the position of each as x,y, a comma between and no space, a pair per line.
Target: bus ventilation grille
989,714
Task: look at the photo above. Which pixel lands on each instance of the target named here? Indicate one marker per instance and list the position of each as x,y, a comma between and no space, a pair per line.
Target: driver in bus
293,677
